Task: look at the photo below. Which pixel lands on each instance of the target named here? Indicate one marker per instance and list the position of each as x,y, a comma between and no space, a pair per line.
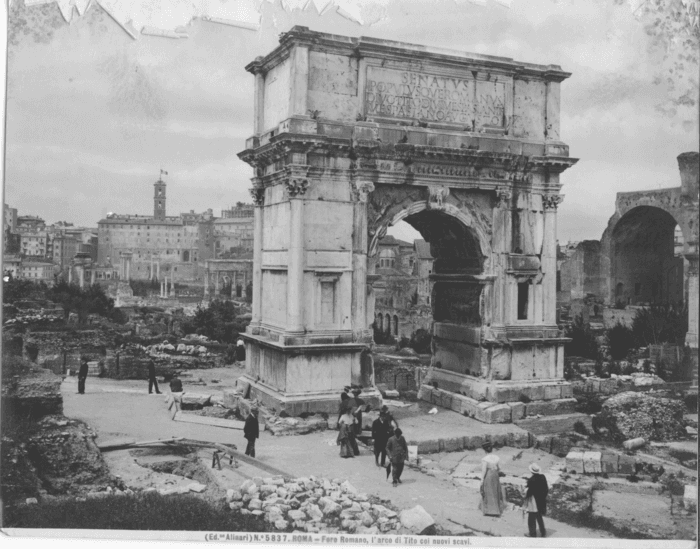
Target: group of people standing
493,500
386,435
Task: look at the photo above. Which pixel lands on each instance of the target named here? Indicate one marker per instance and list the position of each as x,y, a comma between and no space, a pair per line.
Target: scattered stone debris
314,505
632,415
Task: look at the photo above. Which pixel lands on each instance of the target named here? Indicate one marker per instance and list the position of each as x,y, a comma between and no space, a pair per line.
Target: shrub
139,512
404,342
583,342
620,340
421,341
580,428
218,322
659,324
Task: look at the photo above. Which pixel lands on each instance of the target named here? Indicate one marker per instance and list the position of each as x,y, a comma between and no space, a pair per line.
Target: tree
73,299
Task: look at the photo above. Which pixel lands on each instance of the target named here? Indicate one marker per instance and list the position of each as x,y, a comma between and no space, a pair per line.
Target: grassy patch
149,511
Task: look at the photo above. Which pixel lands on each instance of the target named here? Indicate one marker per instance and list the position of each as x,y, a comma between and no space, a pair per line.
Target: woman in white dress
492,500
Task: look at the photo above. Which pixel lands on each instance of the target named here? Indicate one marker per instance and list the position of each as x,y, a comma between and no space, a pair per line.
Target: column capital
258,194
296,186
551,201
504,197
361,190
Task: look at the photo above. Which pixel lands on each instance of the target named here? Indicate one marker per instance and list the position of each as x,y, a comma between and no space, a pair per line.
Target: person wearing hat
152,381
381,432
536,501
492,498
343,404
82,375
240,351
251,431
346,435
397,450
389,418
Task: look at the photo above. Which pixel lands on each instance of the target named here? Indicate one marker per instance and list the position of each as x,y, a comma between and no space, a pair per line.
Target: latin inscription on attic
433,98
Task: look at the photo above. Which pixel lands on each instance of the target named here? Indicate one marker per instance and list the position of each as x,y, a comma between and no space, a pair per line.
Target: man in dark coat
537,488
397,450
240,351
380,436
82,375
251,431
152,381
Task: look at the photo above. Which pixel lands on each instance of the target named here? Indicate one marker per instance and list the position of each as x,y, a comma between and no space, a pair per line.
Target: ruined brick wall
61,350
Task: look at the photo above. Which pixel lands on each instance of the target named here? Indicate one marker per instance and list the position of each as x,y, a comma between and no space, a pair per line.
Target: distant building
37,269
12,266
233,232
172,246
30,224
35,244
402,288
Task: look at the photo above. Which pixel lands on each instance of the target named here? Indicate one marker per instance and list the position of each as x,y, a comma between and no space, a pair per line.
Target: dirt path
124,409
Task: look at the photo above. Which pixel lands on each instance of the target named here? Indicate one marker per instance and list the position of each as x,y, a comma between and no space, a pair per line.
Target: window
386,259
523,298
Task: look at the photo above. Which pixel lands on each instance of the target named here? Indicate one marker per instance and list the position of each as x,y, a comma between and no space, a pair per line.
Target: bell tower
159,198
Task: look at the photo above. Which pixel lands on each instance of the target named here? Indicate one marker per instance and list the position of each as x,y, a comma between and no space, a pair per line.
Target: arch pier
353,135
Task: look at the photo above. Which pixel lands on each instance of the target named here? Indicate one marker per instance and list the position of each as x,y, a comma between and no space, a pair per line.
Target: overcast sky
93,115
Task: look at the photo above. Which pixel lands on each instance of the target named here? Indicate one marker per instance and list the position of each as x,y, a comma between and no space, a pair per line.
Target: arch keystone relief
453,145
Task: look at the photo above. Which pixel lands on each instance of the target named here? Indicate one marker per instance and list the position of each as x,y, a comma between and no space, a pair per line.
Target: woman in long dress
346,426
492,501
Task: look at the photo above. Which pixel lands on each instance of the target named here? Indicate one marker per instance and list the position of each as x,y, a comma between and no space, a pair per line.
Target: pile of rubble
181,348
322,505
631,415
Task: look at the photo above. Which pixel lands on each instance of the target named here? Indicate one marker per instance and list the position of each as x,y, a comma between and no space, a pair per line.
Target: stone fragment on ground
313,505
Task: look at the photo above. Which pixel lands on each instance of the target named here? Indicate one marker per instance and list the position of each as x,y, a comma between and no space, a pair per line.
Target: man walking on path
381,432
152,381
251,431
397,451
536,501
82,375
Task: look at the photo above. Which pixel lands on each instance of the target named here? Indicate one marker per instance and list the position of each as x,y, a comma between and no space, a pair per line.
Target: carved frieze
362,190
437,196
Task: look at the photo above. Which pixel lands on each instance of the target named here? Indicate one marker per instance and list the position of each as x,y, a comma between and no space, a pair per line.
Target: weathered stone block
500,413
591,462
428,446
473,442
567,391
517,410
544,443
561,446
451,444
574,462
552,392
608,462
626,465
498,440
519,439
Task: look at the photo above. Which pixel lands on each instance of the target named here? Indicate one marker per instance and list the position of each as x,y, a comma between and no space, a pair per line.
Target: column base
296,404
497,401
306,377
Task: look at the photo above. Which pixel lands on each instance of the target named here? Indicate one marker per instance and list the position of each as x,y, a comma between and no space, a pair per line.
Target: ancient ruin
352,135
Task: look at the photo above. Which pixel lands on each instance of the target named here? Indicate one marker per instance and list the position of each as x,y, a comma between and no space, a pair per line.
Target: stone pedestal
353,135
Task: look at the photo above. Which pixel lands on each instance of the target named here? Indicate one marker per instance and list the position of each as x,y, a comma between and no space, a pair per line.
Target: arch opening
646,258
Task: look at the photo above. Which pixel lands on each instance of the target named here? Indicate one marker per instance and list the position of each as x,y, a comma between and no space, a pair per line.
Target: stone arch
396,326
380,322
642,264
464,216
387,327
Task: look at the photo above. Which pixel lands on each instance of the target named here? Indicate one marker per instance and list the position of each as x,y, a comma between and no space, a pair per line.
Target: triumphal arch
353,135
